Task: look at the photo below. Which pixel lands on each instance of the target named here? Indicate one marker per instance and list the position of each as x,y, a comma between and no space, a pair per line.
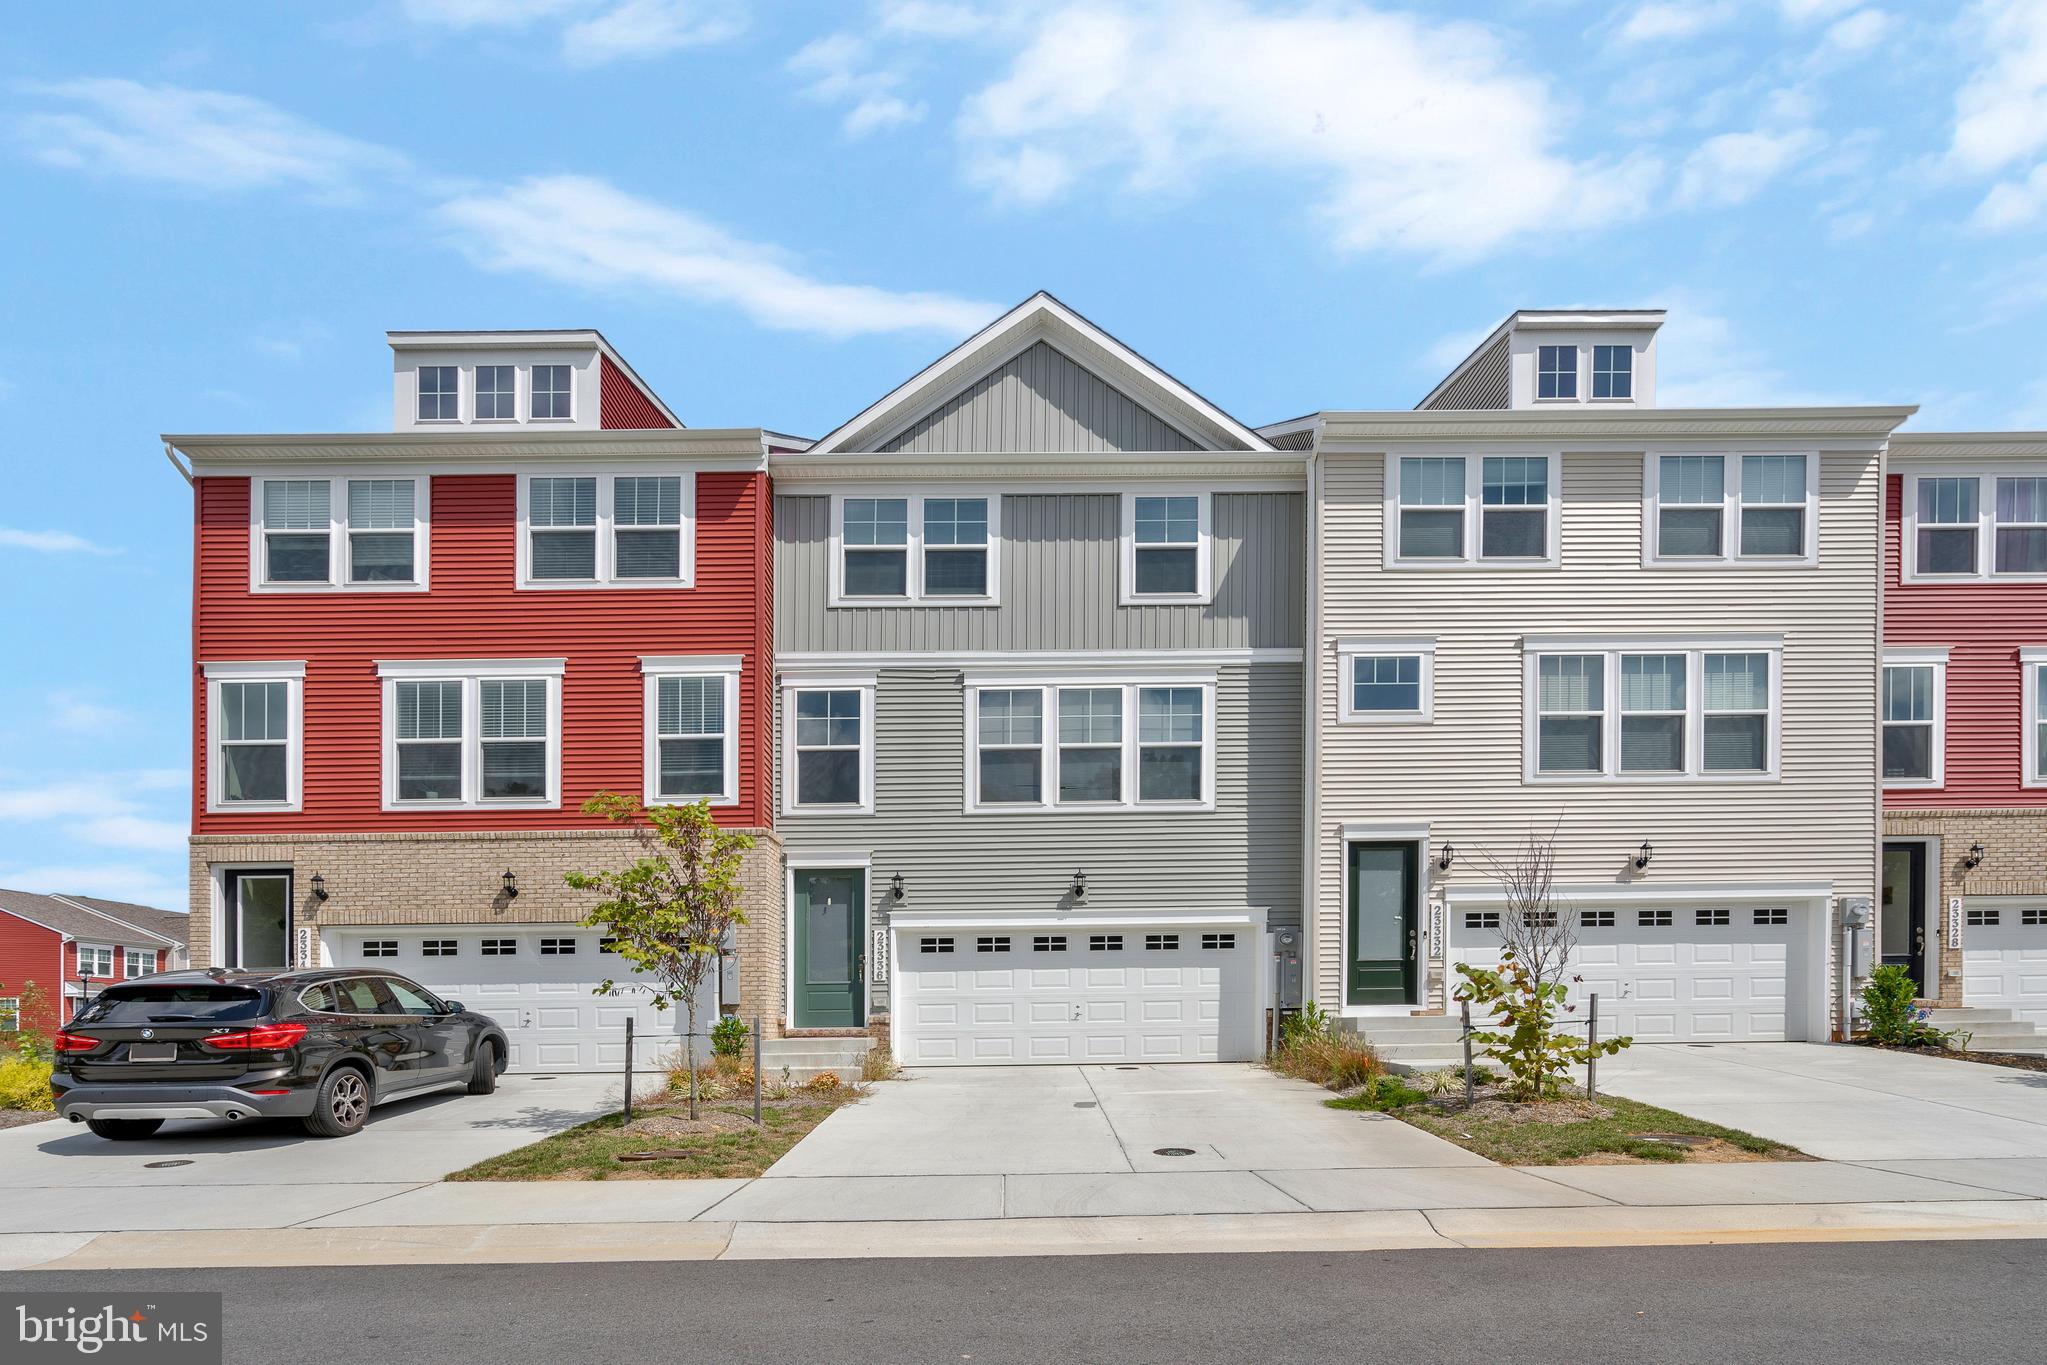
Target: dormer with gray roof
1557,358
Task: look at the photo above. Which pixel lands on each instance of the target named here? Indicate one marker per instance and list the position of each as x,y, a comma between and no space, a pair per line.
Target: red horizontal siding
474,611
31,953
622,405
1983,625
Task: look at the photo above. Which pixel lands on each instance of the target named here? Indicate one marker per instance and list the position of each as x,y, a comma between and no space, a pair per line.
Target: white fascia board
1625,428
692,663
1038,660
447,668
1919,654
1595,644
238,670
1812,893
1935,446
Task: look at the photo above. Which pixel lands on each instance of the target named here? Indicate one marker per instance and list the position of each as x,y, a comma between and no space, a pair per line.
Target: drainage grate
1083,1104
543,1078
162,1165
1126,1068
1172,1151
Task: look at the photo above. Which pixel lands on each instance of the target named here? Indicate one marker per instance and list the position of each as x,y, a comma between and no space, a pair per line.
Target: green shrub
25,1084
1312,1048
1381,1094
1890,1016
728,1036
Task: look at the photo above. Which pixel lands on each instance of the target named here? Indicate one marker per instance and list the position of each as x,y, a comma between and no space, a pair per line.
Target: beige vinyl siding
1463,774
1039,400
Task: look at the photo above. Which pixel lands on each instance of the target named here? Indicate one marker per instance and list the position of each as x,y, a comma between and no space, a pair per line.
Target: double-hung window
607,530
1613,371
2033,716
1167,552
1088,744
138,962
1948,528
877,548
440,393
1978,525
2020,526
253,730
378,525
829,728
1469,511
1386,681
96,961
476,734
919,547
1556,371
552,393
1652,712
1914,715
1731,509
692,730
497,393
955,547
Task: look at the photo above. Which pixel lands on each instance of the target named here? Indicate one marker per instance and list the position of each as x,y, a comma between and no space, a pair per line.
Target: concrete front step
808,1057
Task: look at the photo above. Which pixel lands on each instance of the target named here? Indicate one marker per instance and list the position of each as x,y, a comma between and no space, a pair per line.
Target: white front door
1142,992
2004,956
538,982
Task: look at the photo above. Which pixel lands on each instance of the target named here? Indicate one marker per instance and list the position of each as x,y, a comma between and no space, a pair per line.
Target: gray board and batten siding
1039,401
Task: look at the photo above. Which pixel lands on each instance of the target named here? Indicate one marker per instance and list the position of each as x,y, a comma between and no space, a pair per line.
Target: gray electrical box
1861,925
728,971
1286,961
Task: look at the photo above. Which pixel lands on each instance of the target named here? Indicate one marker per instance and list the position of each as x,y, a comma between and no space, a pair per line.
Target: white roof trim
526,341
1043,318
116,920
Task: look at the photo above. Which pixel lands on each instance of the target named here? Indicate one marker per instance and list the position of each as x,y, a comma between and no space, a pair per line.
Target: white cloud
51,542
2015,203
465,14
1703,362
2001,111
840,70
1733,167
1811,11
1663,20
933,19
1862,31
1414,135
201,139
100,810
1447,352
586,231
78,712
110,881
650,28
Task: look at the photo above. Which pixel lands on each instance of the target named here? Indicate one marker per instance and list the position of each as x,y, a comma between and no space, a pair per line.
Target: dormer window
497,393
1613,372
551,393
440,393
1556,372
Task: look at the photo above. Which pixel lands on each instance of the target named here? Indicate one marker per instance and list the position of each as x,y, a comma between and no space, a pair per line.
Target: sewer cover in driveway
1172,1151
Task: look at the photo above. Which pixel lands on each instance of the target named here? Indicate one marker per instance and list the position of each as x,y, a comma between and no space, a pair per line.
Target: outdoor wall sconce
1446,857
1080,886
1642,858
511,885
1974,857
319,887
895,887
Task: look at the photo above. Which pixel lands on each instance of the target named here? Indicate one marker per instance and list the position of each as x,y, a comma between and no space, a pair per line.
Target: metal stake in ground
629,1068
756,1071
1592,1037
1465,1010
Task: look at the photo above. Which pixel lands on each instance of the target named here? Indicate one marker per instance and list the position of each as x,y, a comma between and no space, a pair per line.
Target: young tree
669,912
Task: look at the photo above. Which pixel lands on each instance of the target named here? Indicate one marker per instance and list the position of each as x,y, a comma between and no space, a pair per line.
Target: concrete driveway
57,1177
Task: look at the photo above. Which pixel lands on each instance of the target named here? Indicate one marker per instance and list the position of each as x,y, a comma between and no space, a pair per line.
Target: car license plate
152,1052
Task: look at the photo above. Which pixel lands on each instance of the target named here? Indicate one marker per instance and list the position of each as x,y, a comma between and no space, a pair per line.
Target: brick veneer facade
456,878
2014,864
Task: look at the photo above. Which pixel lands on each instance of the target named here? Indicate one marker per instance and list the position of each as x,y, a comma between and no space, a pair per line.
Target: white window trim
337,531
723,666
1048,687
1204,547
1612,647
607,542
1986,477
78,965
864,684
1927,656
293,676
471,674
529,391
1350,650
913,549
1474,499
1730,556
2033,677
128,956
1581,376
464,386
1591,363
473,382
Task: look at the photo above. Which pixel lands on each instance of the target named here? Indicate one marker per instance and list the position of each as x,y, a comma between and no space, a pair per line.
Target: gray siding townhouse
1542,603
1039,637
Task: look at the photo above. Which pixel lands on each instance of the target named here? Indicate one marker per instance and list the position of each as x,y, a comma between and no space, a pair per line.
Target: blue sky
779,211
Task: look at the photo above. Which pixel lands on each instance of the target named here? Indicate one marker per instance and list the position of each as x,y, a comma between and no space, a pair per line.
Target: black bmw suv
320,1046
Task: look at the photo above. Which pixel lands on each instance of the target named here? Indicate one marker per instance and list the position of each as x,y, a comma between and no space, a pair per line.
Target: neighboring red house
418,653
68,947
1965,723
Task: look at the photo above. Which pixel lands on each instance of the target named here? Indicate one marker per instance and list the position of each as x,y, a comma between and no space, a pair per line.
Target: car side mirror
454,1006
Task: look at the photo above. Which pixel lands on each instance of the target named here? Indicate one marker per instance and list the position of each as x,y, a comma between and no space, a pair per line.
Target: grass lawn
590,1152
1579,1131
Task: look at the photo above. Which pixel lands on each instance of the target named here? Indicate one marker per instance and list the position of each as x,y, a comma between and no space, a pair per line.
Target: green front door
830,925
1384,881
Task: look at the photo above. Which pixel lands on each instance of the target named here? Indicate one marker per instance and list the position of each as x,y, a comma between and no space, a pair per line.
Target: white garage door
2004,956
1668,975
1142,993
538,983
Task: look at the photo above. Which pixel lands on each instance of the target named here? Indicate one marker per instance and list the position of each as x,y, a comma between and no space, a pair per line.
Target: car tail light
268,1038
269,1092
76,1042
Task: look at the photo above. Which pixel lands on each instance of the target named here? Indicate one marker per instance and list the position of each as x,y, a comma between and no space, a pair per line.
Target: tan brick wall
2014,864
458,878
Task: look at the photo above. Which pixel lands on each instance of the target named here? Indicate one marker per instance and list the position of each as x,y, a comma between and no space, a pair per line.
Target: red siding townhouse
1964,901
69,947
418,653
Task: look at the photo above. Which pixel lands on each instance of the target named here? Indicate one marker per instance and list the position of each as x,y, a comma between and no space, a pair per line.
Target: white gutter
1311,750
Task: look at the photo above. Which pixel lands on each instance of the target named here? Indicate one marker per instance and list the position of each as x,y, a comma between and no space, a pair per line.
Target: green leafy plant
1312,1048
25,1084
1380,1094
728,1036
668,913
1523,1036
1892,1016
1312,1022
27,1034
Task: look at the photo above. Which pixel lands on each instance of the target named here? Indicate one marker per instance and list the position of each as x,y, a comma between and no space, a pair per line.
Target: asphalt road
1865,1303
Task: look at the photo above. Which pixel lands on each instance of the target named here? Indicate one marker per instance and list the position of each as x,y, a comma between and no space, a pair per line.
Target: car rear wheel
123,1130
342,1104
483,1076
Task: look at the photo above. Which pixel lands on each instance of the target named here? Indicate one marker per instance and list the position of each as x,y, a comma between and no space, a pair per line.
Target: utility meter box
1861,924
1286,959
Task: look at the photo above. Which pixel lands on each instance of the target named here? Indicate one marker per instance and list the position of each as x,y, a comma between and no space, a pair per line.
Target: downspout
170,452
1311,746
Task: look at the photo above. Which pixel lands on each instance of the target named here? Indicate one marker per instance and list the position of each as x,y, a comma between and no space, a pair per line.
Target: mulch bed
16,1118
2018,1061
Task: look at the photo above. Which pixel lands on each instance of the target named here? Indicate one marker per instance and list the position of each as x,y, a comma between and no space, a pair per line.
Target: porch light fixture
1079,885
1974,857
1642,858
511,885
895,887
1446,857
319,887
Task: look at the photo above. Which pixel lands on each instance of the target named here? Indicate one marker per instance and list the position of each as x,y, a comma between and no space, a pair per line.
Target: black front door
1901,927
1385,909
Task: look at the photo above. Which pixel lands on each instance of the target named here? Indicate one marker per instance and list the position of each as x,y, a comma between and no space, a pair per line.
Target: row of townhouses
1075,719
